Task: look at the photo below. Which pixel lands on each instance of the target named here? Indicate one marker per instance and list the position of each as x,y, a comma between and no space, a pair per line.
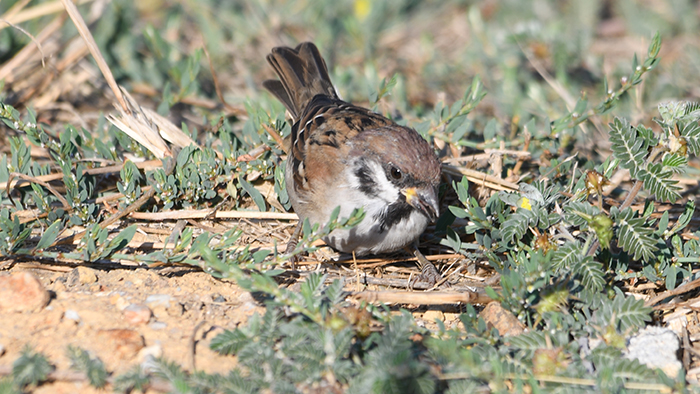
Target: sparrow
348,156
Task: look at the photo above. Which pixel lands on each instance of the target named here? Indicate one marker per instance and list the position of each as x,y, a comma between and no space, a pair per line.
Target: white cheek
351,194
387,191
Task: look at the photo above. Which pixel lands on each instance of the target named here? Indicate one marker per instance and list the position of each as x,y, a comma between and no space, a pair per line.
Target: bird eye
396,173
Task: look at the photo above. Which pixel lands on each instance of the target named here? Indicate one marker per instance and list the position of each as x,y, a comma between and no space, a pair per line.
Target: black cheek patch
364,177
394,213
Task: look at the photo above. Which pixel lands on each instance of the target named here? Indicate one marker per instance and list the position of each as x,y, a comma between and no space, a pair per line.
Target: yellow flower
362,8
524,203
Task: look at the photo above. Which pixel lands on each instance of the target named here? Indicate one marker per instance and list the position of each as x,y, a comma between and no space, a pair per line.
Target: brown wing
323,130
322,122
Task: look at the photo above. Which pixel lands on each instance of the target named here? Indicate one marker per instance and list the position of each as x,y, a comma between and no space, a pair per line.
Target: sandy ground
121,316
124,315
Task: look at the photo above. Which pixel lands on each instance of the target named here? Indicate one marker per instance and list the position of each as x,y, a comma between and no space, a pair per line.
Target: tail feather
303,74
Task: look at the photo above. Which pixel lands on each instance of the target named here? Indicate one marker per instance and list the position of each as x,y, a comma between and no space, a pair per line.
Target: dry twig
424,298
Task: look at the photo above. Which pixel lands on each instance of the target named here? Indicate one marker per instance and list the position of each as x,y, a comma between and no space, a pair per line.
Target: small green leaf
384,88
690,131
49,235
229,342
659,182
674,162
590,273
567,256
492,293
490,130
253,192
93,368
334,214
580,107
671,274
629,311
627,146
121,240
634,237
260,255
654,46
685,217
30,368
306,227
663,224
462,189
452,240
458,212
515,227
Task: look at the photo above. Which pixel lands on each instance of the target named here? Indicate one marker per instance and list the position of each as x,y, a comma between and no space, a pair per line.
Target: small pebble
158,300
217,298
176,309
150,352
59,286
656,347
431,315
503,320
21,292
82,275
71,315
137,314
119,302
157,325
125,343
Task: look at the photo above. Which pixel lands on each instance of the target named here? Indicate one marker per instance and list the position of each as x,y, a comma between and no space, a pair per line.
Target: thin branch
31,37
212,214
37,12
480,178
692,285
95,51
422,298
53,191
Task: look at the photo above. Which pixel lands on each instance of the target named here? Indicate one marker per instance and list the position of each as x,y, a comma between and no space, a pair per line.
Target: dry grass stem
480,178
428,298
212,214
37,11
144,165
32,179
94,50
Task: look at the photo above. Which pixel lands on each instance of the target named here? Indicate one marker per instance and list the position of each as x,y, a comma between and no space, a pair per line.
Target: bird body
348,156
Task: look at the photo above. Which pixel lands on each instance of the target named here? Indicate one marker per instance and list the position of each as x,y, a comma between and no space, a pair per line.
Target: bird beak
423,200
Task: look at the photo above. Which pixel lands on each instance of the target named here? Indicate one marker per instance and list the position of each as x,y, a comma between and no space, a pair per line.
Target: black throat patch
393,214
